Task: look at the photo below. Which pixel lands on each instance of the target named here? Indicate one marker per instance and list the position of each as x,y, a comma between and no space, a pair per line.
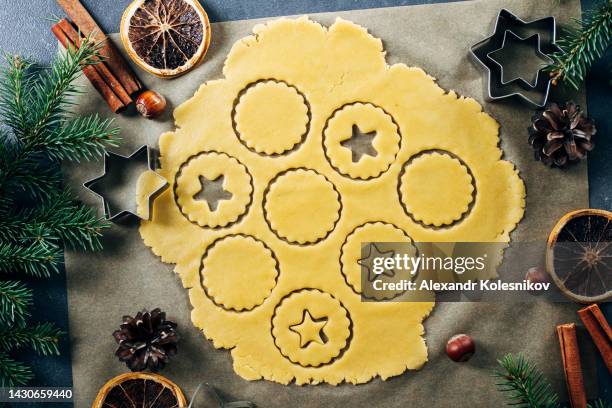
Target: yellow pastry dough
302,201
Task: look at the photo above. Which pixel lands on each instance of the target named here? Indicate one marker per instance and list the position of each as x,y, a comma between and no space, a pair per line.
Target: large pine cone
561,134
146,341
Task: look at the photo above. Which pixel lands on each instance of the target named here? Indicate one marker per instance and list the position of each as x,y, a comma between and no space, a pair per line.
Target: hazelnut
536,275
150,104
460,348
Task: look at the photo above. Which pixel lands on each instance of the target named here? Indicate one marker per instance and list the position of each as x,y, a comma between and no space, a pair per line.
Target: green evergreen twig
524,384
38,217
12,372
43,338
15,301
582,45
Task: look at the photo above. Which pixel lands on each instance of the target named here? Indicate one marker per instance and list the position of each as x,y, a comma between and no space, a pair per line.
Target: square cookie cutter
508,26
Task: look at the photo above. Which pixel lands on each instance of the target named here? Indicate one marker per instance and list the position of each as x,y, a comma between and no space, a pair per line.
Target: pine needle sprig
524,383
18,74
80,138
60,218
38,259
15,301
13,373
581,45
54,90
38,217
43,338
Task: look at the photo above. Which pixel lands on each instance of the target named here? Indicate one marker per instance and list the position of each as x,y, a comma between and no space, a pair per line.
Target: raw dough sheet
127,276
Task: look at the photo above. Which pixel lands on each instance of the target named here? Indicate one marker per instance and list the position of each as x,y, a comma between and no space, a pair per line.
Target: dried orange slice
165,37
579,255
146,390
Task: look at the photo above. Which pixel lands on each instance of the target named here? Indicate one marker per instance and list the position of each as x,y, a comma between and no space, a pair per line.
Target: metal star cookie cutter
507,25
113,163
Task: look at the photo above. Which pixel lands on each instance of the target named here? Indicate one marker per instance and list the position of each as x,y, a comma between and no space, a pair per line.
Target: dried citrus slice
579,255
165,37
146,390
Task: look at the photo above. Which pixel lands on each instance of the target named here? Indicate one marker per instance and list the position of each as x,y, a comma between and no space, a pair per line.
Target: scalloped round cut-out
361,140
436,189
352,257
310,327
271,117
238,272
314,131
222,171
301,206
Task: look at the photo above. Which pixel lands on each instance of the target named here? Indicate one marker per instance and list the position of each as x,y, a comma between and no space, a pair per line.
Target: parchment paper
127,277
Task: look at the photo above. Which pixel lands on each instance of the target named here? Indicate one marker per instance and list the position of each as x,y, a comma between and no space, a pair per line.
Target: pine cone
561,135
146,341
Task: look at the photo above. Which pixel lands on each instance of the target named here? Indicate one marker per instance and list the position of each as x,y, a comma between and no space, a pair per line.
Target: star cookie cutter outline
545,30
144,154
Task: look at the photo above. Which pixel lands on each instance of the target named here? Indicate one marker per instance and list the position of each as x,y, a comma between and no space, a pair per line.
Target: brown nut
150,104
537,274
460,348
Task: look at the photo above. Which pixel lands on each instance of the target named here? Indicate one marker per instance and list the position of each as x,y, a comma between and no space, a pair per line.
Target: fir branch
13,373
43,338
582,45
39,259
39,116
15,94
15,300
524,384
54,90
80,138
60,218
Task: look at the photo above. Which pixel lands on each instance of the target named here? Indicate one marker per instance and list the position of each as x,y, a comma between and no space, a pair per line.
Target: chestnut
536,275
150,104
460,348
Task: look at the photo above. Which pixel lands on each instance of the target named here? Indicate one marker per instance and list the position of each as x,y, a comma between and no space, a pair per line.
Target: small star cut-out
360,144
368,261
310,330
212,192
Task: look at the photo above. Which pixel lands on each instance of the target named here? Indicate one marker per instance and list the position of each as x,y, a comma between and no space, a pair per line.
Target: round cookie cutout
271,117
238,272
311,328
301,206
361,140
213,189
354,260
436,189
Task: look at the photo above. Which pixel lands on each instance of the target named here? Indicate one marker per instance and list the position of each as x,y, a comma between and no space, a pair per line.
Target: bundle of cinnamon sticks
112,77
601,334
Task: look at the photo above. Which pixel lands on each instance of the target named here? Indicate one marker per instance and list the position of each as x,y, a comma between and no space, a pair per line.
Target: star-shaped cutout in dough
310,330
522,49
368,261
212,192
116,169
360,144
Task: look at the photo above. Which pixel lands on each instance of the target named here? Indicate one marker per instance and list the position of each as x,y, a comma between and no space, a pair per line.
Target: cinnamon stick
113,58
570,355
110,79
599,330
94,77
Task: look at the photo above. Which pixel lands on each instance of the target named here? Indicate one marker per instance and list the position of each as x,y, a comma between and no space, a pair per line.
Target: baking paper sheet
126,276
